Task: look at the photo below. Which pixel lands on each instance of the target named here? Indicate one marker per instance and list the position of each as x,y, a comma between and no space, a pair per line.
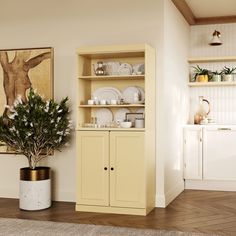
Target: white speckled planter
35,188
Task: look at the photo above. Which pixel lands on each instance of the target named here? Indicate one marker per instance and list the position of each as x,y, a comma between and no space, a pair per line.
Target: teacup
90,102
103,102
113,101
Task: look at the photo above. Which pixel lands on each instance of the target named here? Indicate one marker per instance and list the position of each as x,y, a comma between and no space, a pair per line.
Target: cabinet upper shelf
100,106
211,59
112,77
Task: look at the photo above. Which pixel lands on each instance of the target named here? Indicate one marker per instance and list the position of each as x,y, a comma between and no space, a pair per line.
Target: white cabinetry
210,157
193,152
219,149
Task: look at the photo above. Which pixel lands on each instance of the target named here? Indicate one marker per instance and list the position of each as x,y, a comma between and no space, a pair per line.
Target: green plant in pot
35,129
227,73
200,74
216,76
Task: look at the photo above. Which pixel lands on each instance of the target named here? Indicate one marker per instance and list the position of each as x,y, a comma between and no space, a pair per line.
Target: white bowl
125,124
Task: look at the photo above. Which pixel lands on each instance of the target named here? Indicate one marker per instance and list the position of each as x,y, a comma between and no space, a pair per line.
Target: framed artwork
22,69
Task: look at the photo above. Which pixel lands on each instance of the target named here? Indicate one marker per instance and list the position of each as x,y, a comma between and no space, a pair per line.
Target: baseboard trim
163,200
8,193
210,185
174,192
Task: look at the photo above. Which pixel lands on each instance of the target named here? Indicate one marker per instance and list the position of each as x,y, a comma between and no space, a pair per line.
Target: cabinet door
93,159
219,153
193,153
127,168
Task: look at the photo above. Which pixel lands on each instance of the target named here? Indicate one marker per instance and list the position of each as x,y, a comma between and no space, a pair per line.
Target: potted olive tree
228,73
201,74
35,129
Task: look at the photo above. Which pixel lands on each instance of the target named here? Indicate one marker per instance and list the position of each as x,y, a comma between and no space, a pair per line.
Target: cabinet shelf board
112,129
211,59
208,84
112,77
100,106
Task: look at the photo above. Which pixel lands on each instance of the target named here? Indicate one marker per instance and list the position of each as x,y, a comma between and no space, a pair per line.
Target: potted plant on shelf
216,76
228,73
201,74
35,129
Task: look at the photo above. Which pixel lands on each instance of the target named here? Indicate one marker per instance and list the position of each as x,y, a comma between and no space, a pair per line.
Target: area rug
19,227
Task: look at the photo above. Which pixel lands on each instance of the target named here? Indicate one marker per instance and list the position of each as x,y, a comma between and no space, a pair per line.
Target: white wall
66,25
222,99
174,97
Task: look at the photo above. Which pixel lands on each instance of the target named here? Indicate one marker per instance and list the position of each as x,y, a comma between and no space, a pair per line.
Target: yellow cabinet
115,165
92,169
106,175
127,187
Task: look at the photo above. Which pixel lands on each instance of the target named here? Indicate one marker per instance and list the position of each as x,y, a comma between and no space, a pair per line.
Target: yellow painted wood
92,178
138,199
116,210
111,129
127,169
112,77
117,106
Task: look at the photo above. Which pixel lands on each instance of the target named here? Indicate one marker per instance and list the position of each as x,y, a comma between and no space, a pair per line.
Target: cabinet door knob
112,168
105,168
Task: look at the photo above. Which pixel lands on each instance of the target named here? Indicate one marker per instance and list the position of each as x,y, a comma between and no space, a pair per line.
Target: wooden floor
192,211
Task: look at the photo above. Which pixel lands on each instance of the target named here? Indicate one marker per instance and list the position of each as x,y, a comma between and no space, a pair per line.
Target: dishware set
117,68
112,96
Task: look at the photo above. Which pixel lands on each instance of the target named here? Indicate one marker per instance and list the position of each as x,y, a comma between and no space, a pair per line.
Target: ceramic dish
133,95
120,114
104,116
138,69
125,69
111,68
107,93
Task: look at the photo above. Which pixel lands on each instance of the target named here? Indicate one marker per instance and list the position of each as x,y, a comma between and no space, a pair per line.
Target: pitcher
201,112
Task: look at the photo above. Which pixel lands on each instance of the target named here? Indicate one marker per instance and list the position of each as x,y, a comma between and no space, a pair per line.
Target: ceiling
207,11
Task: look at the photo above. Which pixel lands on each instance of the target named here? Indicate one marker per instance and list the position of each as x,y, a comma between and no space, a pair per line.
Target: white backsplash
222,98
222,103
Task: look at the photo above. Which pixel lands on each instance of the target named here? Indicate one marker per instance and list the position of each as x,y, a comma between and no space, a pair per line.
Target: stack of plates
107,93
129,95
104,116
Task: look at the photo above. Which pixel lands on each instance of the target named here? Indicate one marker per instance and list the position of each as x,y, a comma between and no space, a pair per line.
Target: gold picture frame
21,69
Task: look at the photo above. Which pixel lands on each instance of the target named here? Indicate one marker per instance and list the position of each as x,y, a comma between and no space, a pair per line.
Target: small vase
216,78
202,78
228,78
35,188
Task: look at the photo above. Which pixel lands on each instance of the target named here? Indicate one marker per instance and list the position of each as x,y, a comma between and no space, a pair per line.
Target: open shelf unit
212,63
106,154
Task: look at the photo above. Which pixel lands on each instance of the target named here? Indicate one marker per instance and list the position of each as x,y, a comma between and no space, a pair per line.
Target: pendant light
216,39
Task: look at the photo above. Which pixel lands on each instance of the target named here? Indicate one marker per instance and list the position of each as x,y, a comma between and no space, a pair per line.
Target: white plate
104,116
125,69
111,68
120,114
107,93
128,94
138,69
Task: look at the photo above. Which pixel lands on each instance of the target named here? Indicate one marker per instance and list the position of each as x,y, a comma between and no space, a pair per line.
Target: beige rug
13,227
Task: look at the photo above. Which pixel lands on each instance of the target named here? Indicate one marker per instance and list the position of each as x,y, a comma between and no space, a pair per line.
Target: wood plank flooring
191,211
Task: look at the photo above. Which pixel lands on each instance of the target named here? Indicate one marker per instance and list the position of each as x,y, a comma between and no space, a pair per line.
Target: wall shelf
208,84
211,59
